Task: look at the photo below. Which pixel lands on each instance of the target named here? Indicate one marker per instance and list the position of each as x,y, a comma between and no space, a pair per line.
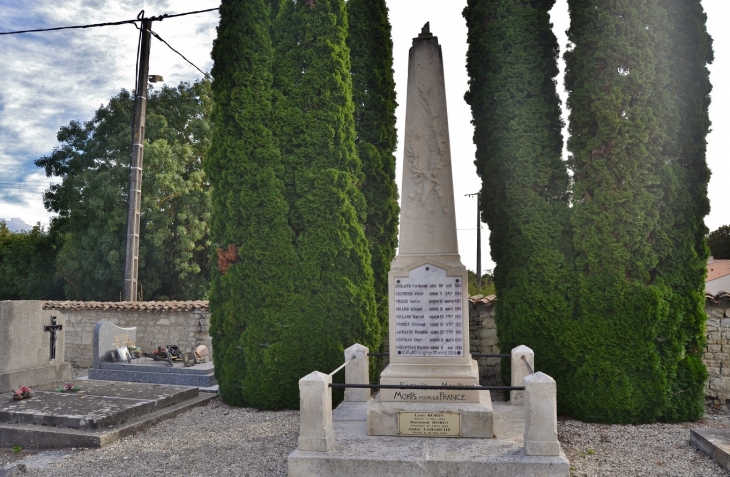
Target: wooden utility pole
131,258
479,238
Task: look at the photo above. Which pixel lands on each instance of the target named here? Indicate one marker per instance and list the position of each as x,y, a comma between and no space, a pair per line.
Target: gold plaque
436,424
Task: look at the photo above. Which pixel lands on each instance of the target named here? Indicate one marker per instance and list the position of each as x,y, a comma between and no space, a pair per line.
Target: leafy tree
719,243
622,344
373,93
254,301
27,265
487,286
321,172
512,64
92,162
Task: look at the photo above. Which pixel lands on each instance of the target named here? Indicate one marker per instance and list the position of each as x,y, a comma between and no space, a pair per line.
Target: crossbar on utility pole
131,258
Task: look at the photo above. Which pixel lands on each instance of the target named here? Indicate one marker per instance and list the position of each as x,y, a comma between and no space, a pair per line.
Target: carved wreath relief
426,165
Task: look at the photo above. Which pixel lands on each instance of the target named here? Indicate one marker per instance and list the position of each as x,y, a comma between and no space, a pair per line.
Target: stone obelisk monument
428,287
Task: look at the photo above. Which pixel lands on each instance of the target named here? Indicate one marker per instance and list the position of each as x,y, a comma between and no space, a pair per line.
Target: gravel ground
207,441
221,440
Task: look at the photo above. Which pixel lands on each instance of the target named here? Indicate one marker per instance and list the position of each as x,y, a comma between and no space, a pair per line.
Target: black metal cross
54,328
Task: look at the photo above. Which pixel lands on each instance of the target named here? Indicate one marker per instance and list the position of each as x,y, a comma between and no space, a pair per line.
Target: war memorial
430,417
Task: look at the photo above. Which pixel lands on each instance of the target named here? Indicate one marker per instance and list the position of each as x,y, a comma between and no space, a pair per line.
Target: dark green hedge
633,347
512,63
373,93
253,295
684,175
293,280
322,175
28,264
607,291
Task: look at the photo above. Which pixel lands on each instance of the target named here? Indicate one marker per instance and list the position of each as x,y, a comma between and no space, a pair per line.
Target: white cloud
50,79
53,78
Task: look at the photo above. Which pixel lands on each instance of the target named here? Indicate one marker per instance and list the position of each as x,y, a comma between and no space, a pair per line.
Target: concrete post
520,370
315,413
357,372
541,416
134,200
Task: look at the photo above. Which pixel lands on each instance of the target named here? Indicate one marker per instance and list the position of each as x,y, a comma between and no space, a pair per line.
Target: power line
181,55
122,22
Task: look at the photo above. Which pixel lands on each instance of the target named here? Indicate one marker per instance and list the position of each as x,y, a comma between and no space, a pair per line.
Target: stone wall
186,324
483,337
182,323
717,354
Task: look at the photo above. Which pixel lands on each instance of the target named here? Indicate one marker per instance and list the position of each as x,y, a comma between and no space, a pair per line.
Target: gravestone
428,284
32,344
108,337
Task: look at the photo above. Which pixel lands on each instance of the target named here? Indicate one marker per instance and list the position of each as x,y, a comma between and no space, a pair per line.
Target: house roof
201,305
717,269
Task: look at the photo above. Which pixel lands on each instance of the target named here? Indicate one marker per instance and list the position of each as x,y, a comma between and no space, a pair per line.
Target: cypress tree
620,346
373,93
512,63
680,238
314,124
252,296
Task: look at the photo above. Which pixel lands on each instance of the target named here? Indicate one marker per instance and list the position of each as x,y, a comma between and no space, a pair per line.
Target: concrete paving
100,413
356,453
713,442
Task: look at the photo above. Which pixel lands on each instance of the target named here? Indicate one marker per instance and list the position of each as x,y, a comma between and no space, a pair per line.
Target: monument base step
356,453
713,442
201,375
476,419
35,376
101,413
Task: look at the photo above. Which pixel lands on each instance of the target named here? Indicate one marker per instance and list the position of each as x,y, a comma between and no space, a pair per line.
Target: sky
49,79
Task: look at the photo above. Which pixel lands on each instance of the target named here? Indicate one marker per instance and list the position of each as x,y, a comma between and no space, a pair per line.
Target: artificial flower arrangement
68,388
23,392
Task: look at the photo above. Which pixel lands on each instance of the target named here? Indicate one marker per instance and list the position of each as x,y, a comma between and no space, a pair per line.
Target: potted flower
23,392
68,388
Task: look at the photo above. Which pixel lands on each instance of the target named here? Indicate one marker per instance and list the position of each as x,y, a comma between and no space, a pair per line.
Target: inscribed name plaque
428,313
441,424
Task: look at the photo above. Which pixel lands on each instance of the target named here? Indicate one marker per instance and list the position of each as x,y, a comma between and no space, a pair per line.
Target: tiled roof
201,305
717,269
485,300
722,296
490,299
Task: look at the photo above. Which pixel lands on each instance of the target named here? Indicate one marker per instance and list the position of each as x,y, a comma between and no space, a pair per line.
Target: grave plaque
441,424
428,313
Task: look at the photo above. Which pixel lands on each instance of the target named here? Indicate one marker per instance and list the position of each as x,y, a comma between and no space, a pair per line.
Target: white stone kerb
541,415
315,413
357,371
523,364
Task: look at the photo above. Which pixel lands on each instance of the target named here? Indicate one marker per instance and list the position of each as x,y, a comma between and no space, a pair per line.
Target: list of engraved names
428,314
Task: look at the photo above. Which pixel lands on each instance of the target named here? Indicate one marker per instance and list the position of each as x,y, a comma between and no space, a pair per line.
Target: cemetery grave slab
108,337
98,414
145,370
354,452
